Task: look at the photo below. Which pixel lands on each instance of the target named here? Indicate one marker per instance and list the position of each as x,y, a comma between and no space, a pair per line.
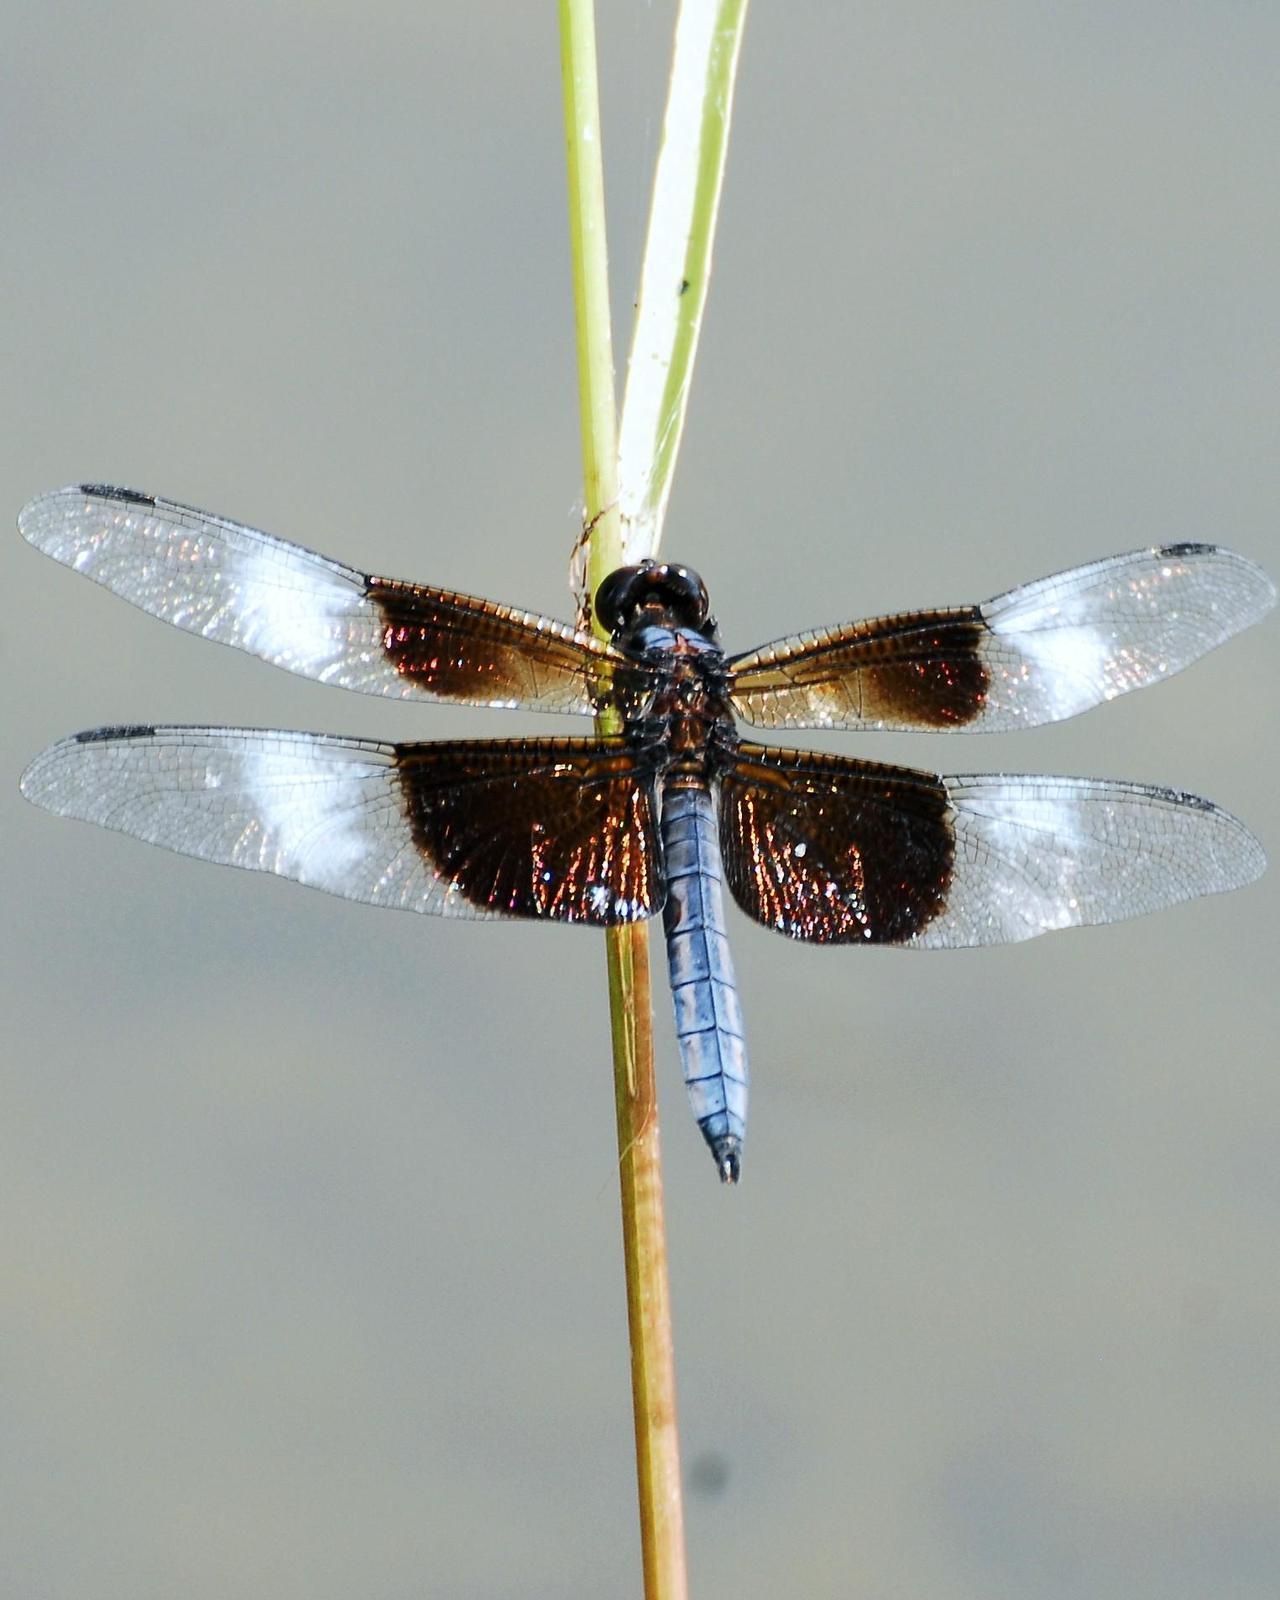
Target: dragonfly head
660,587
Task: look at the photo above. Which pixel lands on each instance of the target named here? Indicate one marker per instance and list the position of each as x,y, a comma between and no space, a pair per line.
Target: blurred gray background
311,1282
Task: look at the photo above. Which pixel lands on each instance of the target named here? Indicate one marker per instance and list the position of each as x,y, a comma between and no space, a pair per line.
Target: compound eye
686,593
617,596
701,599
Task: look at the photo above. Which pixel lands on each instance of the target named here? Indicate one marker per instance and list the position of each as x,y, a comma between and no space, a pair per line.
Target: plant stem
677,261
640,1168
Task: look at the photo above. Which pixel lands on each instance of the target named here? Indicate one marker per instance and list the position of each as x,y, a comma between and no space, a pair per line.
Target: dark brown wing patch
835,851
920,670
555,828
454,647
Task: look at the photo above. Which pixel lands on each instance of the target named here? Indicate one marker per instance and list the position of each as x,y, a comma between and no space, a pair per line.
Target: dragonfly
678,805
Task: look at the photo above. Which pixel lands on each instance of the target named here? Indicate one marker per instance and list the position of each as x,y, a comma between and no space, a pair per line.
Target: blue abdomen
708,1015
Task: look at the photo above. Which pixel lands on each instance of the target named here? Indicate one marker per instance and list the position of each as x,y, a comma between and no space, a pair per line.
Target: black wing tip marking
109,491
1263,585
123,730
1183,798
1189,548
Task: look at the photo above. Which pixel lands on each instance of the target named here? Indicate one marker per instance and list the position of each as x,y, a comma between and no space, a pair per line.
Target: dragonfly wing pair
818,847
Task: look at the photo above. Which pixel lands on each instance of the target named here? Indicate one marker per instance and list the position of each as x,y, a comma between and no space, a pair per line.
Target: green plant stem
676,273
643,1225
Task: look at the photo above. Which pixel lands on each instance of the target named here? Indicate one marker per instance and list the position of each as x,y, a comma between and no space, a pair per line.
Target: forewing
560,829
321,619
841,852
1037,654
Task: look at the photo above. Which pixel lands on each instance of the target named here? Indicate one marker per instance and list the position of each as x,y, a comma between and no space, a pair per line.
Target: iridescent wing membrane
853,852
316,617
558,829
838,851
561,829
1036,654
817,847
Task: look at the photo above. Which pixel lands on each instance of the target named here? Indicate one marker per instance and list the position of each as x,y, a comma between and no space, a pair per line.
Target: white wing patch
1102,630
212,576
310,819
1033,854
324,811
1065,669
307,628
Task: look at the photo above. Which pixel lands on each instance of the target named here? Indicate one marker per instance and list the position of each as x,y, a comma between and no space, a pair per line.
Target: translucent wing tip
36,784
34,516
1035,854
1222,582
39,517
1231,854
1247,860
1252,587
49,783
1238,590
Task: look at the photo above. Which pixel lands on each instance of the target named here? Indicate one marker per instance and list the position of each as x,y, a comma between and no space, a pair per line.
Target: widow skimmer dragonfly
613,830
